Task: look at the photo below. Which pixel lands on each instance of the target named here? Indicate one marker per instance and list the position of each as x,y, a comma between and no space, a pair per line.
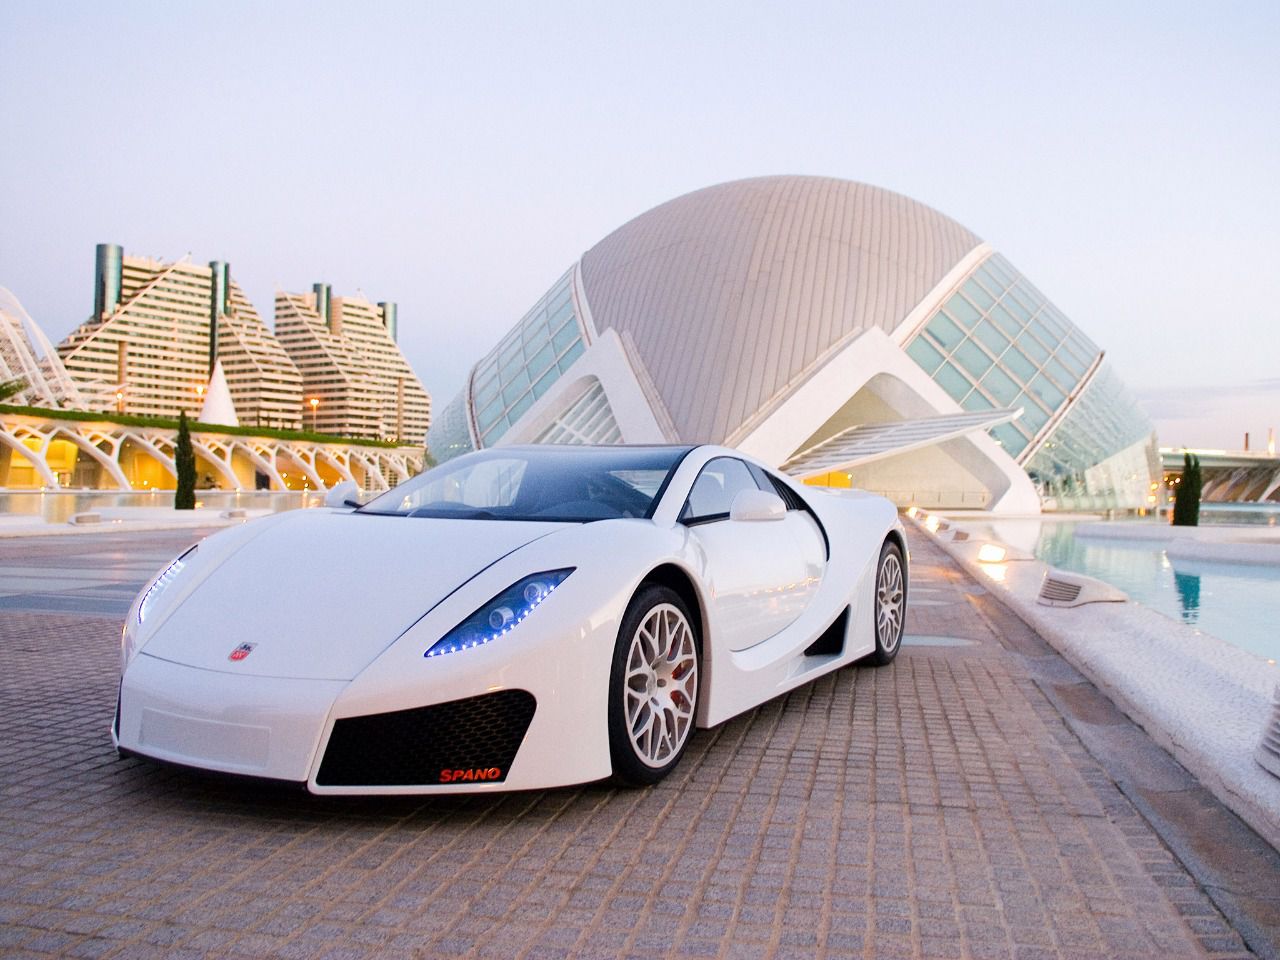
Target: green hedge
166,423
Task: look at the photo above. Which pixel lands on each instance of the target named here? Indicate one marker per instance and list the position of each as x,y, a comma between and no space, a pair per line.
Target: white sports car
518,618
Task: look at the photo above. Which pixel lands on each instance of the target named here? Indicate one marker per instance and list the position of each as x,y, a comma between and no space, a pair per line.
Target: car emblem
242,651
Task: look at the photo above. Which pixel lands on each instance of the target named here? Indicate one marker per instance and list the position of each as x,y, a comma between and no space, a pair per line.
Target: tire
653,686
890,607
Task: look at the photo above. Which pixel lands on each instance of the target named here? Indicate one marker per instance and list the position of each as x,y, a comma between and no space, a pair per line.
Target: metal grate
1059,591
1268,752
429,745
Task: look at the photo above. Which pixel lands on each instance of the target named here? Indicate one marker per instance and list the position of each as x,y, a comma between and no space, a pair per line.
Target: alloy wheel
889,602
660,688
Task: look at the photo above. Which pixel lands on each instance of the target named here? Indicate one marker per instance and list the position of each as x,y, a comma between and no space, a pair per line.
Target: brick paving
940,807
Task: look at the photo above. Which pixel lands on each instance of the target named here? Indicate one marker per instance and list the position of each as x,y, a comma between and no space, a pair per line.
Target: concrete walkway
975,799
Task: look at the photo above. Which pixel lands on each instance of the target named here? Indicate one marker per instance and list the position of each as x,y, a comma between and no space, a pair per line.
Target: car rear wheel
890,604
653,686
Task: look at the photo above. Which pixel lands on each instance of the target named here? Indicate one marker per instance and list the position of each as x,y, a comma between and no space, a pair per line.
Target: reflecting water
1188,587
59,507
1236,514
1239,603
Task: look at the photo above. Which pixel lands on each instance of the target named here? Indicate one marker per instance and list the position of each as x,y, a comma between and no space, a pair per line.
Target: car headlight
145,603
502,614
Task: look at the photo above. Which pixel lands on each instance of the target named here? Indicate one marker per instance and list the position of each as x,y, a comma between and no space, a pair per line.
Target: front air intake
462,741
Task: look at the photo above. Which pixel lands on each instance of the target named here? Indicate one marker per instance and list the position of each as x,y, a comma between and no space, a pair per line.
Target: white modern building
848,334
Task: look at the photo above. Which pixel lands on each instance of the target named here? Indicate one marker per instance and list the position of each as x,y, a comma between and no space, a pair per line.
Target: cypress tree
1180,501
1186,505
184,459
1199,485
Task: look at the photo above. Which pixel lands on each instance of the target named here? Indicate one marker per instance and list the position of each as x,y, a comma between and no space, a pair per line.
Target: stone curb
1245,788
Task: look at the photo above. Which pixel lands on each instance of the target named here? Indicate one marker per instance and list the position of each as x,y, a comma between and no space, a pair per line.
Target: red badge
242,651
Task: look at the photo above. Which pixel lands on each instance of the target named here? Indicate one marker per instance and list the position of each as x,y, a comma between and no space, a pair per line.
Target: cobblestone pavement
939,807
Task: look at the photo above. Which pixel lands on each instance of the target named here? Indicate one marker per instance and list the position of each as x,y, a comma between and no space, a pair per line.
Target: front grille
460,741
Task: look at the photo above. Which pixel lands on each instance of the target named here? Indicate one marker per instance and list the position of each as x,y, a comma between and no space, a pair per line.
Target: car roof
596,446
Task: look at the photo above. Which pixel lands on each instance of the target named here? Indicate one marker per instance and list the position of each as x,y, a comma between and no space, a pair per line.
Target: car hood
320,594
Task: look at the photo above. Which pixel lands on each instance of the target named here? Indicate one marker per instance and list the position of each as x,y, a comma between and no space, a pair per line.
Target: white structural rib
26,353
875,441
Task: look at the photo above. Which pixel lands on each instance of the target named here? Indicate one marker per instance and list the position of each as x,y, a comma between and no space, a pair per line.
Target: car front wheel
653,686
890,604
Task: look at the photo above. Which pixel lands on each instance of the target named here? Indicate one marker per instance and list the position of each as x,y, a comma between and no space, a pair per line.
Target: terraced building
156,330
346,352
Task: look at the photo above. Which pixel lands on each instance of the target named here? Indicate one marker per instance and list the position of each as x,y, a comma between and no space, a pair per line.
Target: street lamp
315,402
119,401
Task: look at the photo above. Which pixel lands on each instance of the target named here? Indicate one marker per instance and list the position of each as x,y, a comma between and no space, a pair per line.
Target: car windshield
551,483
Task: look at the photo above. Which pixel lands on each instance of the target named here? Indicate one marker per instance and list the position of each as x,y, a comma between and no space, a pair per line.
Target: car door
761,573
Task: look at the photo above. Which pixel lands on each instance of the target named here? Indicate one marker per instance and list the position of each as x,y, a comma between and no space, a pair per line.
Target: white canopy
875,441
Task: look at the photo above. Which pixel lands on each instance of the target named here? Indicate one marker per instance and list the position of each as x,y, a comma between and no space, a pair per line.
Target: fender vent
1268,752
430,745
789,496
1058,591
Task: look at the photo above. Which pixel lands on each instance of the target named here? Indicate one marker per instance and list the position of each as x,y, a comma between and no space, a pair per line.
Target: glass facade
1102,455
449,435
589,419
530,358
998,342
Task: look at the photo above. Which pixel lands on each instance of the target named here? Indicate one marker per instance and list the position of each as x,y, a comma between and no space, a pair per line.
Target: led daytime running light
502,614
158,585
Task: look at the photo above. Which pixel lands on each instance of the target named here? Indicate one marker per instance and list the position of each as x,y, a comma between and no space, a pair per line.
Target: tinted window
553,483
720,481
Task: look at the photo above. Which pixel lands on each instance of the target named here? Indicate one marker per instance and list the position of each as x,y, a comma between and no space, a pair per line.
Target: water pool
1239,603
59,506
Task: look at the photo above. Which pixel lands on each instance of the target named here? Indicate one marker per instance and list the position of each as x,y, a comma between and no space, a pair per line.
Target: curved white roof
734,292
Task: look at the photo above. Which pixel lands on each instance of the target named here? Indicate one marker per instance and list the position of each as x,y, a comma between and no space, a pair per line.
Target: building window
589,419
521,368
997,342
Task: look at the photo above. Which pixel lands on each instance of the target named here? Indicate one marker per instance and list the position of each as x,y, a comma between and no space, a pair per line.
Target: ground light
992,553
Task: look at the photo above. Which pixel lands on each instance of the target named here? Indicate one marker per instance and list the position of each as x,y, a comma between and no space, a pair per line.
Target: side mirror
757,505
338,496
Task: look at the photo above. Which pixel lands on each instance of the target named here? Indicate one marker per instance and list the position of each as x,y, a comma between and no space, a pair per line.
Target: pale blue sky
458,158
